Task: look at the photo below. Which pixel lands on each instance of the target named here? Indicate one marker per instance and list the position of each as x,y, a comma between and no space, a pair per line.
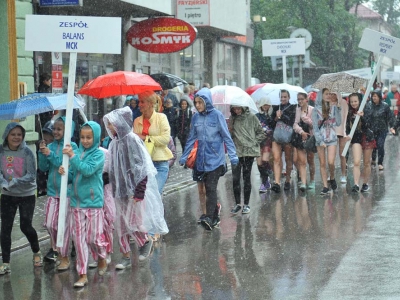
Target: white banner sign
390,75
196,12
378,42
284,47
73,34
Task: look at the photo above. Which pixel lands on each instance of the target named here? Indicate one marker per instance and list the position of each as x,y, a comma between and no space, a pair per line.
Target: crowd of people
117,184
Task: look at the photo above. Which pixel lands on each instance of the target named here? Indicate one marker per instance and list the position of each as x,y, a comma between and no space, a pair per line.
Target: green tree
335,32
390,9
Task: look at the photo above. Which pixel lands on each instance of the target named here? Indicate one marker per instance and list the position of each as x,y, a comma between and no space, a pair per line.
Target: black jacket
288,114
381,116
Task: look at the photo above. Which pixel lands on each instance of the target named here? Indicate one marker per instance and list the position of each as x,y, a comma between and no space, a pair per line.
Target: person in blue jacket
87,200
50,160
209,127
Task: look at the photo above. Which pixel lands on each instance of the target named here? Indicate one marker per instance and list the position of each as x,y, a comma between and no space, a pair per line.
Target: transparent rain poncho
130,163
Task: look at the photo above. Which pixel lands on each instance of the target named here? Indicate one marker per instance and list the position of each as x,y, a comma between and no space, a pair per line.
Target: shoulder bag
310,143
283,132
149,145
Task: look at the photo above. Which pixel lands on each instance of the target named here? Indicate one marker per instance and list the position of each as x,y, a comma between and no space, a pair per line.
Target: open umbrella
168,81
341,82
251,89
223,96
119,83
34,104
273,91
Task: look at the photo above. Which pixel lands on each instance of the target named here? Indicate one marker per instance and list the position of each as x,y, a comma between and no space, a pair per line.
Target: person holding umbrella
247,135
285,113
326,117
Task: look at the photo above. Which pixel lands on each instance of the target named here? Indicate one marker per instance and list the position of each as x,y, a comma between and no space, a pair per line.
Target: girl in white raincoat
139,208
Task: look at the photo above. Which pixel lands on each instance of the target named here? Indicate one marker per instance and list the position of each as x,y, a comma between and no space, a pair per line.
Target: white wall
229,15
164,6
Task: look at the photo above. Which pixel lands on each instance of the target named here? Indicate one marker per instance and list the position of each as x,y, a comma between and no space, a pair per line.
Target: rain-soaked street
291,246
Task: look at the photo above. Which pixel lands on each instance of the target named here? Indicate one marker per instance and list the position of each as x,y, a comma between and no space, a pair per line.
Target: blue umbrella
34,104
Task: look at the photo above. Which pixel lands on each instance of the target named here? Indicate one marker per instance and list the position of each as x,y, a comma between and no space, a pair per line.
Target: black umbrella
168,81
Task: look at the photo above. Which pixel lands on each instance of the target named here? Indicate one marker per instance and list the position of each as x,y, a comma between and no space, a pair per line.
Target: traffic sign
284,47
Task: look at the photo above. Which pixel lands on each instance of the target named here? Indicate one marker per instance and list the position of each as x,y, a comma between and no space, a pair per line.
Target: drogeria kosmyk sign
161,35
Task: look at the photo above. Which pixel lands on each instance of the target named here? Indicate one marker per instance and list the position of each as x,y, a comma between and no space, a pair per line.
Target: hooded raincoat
247,133
326,134
18,169
131,169
52,163
210,129
87,173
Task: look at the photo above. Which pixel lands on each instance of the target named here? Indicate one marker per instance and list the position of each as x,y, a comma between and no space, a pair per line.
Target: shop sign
59,2
196,12
161,35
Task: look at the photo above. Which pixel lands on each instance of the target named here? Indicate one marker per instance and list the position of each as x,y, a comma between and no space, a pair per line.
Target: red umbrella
119,83
251,89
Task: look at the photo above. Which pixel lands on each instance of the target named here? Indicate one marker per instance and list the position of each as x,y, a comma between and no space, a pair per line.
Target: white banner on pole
284,47
71,34
380,43
390,75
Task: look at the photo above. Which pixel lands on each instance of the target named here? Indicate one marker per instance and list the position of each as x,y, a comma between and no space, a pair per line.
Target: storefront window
192,63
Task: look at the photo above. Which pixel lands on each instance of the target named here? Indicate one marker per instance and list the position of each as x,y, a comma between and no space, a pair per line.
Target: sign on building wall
56,72
60,2
196,12
161,35
73,34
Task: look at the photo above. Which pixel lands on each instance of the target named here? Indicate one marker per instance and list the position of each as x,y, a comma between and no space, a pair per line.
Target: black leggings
247,163
210,180
9,206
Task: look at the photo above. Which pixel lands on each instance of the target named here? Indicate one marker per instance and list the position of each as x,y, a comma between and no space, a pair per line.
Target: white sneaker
343,179
108,258
92,264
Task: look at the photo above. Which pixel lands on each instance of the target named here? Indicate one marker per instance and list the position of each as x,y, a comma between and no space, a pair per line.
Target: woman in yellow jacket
154,125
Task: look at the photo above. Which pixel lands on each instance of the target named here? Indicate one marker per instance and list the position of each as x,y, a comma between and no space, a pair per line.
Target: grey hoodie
18,168
327,133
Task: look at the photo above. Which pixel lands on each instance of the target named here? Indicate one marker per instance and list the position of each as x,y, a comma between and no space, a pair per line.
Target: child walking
18,189
87,200
50,160
134,186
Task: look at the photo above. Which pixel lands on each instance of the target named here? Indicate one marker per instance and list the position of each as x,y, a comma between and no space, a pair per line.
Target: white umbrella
273,92
223,96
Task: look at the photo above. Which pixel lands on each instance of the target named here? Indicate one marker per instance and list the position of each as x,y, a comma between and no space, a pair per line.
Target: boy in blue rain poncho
209,127
139,208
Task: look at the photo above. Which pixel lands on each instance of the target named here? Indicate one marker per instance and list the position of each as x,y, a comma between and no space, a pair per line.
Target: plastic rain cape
129,164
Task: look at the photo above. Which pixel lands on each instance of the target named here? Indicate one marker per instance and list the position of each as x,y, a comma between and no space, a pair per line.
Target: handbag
283,132
191,160
310,143
149,145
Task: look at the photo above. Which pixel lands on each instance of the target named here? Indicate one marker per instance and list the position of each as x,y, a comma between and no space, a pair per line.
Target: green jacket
247,133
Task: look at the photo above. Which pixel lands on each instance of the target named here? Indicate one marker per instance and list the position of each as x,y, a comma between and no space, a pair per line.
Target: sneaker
311,185
124,263
246,209
286,187
207,223
302,187
236,209
380,167
324,191
145,250
355,189
267,185
365,188
276,188
333,184
4,269
201,218
51,256
216,221
262,189
343,179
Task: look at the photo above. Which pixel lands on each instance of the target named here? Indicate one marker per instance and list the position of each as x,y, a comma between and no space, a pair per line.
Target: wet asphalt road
290,246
